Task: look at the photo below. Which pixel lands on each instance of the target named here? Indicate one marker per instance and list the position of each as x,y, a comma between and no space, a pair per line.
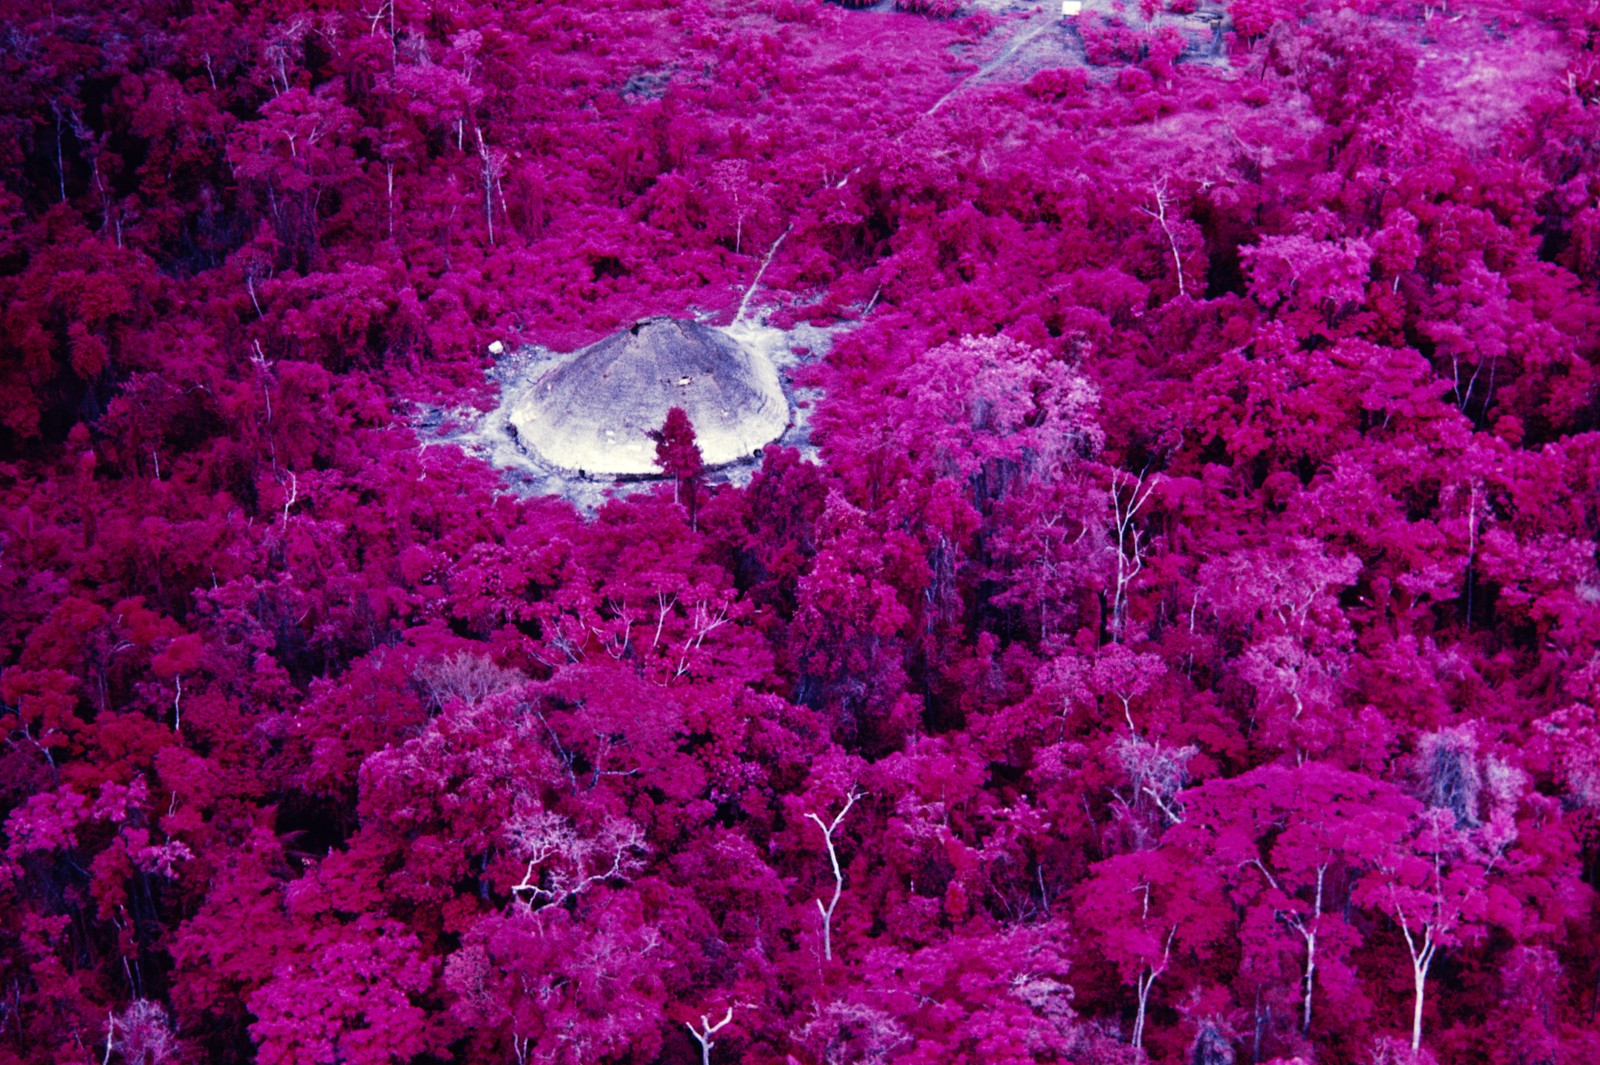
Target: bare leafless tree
704,1033
1162,204
1131,542
838,876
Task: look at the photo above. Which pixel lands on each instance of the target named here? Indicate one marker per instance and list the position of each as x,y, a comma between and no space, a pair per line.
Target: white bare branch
1159,213
1131,543
706,1031
838,876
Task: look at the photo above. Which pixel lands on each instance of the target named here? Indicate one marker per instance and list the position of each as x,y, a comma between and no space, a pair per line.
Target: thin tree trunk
1146,982
1311,972
1421,961
1255,1051
1311,950
1416,1012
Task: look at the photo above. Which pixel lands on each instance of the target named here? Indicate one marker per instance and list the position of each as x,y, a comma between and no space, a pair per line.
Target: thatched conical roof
595,411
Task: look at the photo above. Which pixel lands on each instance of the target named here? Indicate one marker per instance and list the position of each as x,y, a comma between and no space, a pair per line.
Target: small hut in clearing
595,411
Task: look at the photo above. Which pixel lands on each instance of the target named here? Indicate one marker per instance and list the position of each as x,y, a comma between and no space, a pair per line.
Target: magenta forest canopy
1104,572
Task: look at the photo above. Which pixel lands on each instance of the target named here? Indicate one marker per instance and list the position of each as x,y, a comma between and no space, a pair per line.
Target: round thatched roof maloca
595,411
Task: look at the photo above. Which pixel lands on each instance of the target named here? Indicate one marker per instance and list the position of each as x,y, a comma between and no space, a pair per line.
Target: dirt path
1033,26
744,304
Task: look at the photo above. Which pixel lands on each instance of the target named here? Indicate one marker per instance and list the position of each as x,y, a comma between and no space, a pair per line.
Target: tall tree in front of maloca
678,455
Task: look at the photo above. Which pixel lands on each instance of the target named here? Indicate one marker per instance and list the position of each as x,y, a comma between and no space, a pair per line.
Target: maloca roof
595,411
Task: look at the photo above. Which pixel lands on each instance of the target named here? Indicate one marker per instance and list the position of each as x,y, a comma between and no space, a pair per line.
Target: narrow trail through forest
1039,21
744,303
1034,25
